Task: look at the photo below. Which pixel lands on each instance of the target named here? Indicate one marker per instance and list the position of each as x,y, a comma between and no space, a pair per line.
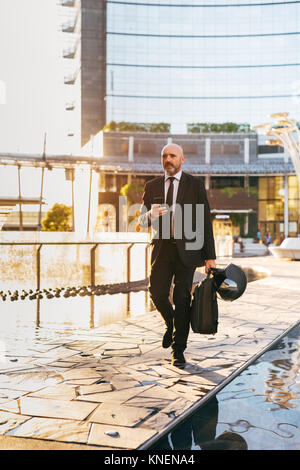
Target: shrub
57,219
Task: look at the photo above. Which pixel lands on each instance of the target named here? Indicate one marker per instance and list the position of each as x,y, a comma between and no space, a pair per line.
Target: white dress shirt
175,189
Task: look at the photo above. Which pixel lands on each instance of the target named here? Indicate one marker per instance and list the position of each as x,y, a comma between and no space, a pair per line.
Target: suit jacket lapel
160,189
181,188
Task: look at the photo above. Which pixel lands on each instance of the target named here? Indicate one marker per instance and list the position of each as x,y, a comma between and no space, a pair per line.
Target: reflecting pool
258,410
25,323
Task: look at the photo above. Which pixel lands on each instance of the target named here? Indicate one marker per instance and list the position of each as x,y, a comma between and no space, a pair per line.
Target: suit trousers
167,265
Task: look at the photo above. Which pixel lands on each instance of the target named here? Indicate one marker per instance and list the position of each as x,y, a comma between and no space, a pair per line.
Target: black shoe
167,338
178,358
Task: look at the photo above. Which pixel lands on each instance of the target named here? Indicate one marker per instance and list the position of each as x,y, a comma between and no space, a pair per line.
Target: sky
31,83
31,95
55,188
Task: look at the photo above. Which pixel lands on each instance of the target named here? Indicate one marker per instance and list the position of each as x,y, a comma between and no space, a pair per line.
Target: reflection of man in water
199,432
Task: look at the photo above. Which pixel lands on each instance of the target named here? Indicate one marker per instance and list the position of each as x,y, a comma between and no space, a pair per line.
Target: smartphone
158,200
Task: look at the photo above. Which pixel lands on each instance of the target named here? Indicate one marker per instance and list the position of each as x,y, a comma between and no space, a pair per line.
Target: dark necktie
169,201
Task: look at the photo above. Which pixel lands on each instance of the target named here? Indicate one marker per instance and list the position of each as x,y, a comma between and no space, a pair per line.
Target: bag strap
211,272
217,280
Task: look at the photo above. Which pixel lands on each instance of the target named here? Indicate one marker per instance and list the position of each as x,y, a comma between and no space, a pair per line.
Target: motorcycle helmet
230,282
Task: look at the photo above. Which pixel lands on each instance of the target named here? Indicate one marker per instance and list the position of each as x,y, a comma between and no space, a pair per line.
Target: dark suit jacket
191,191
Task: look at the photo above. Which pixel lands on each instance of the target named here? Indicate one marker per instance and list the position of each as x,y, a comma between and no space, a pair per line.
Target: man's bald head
172,148
172,158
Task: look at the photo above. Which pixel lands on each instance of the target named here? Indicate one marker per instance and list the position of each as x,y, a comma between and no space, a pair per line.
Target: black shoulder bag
204,307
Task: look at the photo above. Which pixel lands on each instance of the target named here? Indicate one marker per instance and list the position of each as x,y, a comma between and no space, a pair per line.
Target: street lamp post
287,135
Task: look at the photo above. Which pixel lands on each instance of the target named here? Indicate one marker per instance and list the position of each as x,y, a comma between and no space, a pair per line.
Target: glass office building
187,62
193,61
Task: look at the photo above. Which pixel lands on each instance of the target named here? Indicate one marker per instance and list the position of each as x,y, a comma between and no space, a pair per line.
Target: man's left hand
209,263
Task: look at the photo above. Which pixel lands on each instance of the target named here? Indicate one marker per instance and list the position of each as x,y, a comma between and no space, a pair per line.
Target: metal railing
69,52
70,106
126,287
70,79
68,3
69,26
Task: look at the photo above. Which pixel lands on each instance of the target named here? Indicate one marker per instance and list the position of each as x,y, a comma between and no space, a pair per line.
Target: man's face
172,159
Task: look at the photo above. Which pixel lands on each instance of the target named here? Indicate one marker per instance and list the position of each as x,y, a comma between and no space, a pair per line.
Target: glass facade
202,61
271,206
294,206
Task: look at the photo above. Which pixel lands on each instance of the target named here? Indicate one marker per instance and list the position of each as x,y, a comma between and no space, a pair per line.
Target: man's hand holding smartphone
158,208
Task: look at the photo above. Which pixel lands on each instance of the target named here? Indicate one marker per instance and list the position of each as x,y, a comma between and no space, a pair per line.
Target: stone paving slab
114,387
19,443
125,438
65,430
55,408
124,415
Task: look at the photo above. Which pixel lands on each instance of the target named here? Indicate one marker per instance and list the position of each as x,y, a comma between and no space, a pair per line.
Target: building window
219,182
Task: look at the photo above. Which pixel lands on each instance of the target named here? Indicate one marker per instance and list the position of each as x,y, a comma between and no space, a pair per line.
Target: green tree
124,126
238,219
57,219
211,127
133,192
233,191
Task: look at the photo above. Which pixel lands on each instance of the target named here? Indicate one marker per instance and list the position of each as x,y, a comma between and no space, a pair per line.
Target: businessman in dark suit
176,207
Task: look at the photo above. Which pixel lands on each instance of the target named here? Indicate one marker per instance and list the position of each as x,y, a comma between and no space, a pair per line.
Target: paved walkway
116,388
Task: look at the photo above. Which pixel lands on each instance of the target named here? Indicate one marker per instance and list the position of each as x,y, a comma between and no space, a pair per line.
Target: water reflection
26,322
199,433
258,410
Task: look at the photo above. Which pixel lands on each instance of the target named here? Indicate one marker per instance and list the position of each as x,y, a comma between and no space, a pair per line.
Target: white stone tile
127,438
55,429
121,415
45,407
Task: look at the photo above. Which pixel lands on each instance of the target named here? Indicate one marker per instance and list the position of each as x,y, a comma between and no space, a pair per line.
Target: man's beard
170,169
